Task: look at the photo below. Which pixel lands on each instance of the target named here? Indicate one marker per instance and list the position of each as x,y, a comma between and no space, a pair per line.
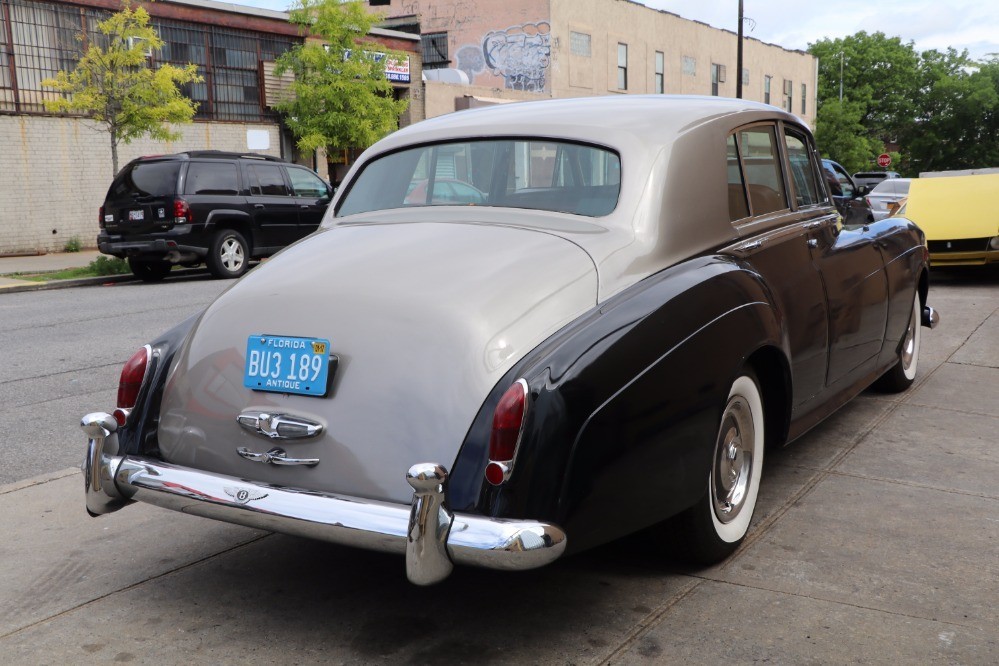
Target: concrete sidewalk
876,540
12,266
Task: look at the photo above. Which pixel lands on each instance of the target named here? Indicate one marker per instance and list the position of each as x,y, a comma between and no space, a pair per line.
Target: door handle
258,205
815,225
305,206
812,242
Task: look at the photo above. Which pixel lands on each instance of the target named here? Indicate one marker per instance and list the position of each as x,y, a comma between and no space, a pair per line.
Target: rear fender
604,390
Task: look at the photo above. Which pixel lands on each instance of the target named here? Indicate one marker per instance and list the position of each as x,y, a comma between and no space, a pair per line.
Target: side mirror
861,191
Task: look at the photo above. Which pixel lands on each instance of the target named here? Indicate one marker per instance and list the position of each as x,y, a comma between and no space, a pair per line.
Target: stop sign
884,159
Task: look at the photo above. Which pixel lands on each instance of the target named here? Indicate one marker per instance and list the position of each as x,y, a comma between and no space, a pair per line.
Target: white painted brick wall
54,173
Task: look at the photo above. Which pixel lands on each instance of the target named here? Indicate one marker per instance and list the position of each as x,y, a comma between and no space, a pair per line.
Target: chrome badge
243,495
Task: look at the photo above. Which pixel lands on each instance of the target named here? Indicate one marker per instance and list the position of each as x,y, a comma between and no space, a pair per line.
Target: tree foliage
113,83
340,97
942,108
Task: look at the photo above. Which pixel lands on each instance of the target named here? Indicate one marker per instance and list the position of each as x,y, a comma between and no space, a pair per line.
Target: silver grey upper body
428,307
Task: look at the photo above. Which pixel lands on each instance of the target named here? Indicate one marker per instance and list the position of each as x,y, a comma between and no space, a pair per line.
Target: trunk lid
424,317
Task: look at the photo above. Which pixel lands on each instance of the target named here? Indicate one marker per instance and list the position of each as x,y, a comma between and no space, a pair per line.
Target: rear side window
157,179
212,178
761,171
306,184
803,170
267,180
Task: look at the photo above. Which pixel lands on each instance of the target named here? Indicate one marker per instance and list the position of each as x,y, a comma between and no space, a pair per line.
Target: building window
579,44
804,94
717,76
379,3
745,77
622,66
660,75
788,96
689,66
766,89
434,50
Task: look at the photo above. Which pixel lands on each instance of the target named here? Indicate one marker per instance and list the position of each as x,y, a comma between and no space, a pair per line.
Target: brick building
55,169
525,49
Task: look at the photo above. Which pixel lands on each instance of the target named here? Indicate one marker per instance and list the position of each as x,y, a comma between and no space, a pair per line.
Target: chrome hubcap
231,254
733,465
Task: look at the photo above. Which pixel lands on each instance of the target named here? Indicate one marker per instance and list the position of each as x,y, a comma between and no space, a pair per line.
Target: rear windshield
876,174
156,179
516,173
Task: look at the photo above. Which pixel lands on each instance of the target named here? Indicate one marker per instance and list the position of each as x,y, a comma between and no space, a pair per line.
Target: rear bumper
183,245
432,538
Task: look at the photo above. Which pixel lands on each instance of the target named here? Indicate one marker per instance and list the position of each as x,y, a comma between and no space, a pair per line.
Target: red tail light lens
132,376
100,218
182,212
508,423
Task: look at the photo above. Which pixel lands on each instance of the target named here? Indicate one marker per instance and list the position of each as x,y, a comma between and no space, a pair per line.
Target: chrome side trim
930,317
431,538
279,426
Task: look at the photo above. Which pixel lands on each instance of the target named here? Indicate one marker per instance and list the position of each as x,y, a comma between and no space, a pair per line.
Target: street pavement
876,540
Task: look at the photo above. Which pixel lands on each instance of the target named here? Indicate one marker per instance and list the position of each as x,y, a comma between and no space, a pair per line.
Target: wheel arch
773,372
237,220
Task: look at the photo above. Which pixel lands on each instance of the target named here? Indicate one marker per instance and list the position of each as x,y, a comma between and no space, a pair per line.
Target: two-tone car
652,292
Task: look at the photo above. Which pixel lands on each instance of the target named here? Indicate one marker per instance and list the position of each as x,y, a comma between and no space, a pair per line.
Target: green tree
879,77
113,83
956,116
340,97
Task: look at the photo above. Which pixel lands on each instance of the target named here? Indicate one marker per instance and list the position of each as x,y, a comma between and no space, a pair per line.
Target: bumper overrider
432,538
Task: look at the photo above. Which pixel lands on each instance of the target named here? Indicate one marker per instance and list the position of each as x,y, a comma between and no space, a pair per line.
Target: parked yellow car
959,217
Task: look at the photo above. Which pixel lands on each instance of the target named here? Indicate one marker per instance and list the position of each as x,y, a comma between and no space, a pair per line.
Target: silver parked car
870,179
642,296
888,196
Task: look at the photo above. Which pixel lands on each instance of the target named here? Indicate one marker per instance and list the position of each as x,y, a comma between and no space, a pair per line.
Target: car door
852,271
775,241
312,195
846,196
274,209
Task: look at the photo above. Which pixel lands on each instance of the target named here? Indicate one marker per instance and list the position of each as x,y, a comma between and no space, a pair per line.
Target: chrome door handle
815,225
812,242
258,205
754,245
276,456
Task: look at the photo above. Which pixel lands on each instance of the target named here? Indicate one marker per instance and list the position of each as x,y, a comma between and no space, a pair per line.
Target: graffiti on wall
520,54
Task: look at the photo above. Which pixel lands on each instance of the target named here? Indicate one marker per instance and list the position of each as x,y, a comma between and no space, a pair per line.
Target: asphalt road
875,539
61,352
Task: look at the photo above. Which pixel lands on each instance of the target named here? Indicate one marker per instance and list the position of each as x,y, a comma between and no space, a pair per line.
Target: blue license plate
283,364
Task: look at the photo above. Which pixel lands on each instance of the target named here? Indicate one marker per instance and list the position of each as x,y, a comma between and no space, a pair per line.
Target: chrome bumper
432,538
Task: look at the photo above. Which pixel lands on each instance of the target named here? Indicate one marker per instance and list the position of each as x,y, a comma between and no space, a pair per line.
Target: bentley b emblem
243,495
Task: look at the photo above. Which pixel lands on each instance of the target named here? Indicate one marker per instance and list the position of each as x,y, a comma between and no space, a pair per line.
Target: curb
92,281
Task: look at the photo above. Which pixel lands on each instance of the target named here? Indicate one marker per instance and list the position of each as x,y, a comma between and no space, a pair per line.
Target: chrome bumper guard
930,317
432,538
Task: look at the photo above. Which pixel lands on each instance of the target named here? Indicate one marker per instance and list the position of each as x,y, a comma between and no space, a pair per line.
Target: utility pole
738,61
840,76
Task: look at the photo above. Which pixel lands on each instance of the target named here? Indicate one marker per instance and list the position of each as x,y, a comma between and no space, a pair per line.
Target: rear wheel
149,270
229,254
714,527
903,373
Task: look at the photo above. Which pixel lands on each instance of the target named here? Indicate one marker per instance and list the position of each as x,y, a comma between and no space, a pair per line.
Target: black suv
208,206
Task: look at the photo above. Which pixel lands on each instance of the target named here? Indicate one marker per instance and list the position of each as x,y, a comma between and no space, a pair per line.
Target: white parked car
888,196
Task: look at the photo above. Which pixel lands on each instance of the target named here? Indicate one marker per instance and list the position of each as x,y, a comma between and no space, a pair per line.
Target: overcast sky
931,24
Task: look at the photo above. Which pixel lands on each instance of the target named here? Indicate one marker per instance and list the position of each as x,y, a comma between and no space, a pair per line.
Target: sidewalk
58,261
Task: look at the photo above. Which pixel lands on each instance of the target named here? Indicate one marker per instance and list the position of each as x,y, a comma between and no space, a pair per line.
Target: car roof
651,120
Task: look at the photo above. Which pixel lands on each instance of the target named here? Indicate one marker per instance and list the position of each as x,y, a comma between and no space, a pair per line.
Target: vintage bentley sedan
651,292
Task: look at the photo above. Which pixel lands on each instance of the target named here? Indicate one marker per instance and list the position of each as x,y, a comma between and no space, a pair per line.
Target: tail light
100,218
132,377
182,212
508,426
869,202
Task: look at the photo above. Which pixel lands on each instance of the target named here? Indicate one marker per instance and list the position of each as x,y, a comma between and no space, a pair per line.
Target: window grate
434,46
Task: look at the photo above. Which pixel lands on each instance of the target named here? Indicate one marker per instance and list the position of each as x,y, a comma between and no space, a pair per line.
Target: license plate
136,215
283,364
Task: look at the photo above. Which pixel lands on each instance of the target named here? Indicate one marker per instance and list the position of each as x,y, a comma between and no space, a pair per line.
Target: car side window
737,206
266,180
803,170
844,181
212,178
305,184
762,170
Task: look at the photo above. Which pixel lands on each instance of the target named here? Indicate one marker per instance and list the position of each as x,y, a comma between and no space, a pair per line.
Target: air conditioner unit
139,41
